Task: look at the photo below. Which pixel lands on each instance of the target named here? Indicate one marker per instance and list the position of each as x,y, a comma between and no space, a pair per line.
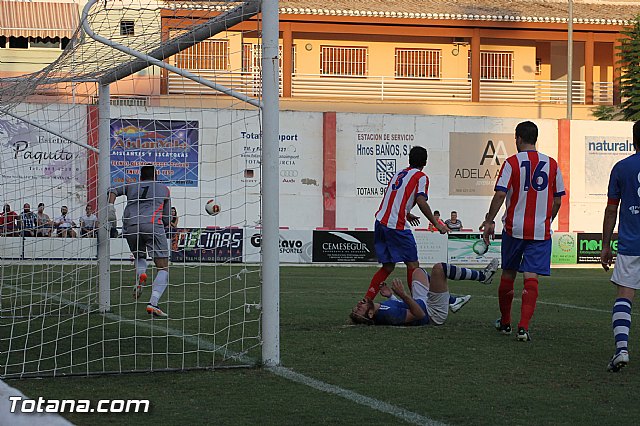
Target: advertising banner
171,146
475,160
343,246
463,249
564,249
601,153
295,246
216,245
590,246
432,247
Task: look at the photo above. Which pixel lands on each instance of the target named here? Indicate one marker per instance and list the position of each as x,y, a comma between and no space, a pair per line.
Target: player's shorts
526,255
437,303
626,271
143,241
393,245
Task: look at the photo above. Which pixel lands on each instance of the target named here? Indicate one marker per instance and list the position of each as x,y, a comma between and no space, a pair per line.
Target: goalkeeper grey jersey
148,204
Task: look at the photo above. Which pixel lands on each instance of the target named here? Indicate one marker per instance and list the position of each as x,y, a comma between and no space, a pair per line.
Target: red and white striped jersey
400,197
531,181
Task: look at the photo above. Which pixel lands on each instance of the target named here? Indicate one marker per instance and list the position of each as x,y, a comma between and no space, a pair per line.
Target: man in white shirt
88,223
64,224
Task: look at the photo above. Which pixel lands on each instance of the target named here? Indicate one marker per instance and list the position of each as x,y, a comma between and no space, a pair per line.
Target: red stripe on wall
564,164
329,169
92,157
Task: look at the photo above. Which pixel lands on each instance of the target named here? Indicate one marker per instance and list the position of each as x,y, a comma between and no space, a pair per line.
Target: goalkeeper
145,218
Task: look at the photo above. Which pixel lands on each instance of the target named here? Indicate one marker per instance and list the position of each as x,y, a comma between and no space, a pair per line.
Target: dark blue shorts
526,255
393,246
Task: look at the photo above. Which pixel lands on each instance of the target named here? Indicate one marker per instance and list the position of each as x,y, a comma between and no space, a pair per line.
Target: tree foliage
630,76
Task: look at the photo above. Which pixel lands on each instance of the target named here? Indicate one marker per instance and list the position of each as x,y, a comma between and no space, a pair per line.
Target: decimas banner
463,249
564,249
171,146
216,245
475,160
432,247
295,246
343,246
590,246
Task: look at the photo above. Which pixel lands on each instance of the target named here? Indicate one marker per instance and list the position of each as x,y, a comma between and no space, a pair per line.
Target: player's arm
489,223
421,201
114,193
415,311
608,225
555,208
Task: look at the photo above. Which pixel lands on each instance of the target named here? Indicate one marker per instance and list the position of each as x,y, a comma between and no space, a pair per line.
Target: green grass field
461,373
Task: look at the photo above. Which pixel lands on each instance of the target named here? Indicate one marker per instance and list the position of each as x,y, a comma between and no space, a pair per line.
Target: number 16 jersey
531,180
400,197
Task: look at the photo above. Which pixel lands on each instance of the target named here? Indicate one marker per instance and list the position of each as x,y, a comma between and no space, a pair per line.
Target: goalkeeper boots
490,271
156,311
503,328
137,289
619,360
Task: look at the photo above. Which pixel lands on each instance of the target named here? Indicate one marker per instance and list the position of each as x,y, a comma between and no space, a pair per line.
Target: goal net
177,85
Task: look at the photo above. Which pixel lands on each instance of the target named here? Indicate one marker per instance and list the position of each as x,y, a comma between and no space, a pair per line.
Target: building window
418,63
44,42
252,57
538,66
247,54
345,61
496,65
127,28
3,42
18,42
206,55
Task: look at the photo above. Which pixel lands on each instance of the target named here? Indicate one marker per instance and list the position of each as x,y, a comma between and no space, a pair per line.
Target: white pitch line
286,373
560,305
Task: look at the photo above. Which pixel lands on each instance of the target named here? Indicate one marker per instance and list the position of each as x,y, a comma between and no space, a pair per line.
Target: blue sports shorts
526,255
393,246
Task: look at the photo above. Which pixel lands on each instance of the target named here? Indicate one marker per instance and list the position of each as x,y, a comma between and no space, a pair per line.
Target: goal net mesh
205,146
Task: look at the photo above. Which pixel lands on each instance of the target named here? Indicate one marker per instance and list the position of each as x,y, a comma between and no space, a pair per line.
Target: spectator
454,223
28,221
64,224
173,223
44,223
436,215
88,223
8,221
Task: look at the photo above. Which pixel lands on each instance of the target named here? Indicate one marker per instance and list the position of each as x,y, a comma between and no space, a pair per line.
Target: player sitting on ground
145,218
429,299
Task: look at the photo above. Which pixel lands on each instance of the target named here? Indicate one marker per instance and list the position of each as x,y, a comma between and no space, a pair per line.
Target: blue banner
171,146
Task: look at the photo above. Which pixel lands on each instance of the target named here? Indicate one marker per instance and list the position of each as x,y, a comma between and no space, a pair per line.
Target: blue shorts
526,255
393,246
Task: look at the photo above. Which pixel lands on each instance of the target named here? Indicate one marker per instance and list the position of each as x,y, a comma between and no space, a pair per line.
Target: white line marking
384,407
561,305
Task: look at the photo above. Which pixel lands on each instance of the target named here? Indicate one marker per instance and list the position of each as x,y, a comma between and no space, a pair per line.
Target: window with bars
418,63
206,55
496,65
252,54
346,61
127,28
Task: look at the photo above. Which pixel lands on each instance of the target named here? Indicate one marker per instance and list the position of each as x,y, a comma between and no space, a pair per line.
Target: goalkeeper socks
141,266
621,323
454,272
529,297
410,278
374,286
505,298
159,286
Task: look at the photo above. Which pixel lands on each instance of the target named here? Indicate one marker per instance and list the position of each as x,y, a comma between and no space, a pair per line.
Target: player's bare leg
505,298
621,323
159,286
437,281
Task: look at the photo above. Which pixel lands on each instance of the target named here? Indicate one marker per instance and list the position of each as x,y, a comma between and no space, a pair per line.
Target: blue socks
454,272
621,323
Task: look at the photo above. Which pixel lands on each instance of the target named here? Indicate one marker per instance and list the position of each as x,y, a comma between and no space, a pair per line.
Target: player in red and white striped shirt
531,184
394,240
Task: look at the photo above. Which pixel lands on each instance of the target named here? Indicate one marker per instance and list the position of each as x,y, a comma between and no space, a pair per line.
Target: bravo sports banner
590,246
295,246
463,249
432,247
601,153
215,245
564,248
171,146
343,246
475,160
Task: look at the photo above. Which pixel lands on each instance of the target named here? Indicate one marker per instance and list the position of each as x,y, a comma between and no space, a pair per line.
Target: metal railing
399,88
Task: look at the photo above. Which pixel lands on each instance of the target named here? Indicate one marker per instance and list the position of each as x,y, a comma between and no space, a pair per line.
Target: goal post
65,300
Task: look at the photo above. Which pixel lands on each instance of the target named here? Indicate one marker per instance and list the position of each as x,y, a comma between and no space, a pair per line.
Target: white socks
159,286
141,266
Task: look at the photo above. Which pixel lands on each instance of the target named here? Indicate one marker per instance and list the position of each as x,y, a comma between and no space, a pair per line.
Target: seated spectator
454,223
44,223
28,221
64,224
88,223
432,228
8,222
